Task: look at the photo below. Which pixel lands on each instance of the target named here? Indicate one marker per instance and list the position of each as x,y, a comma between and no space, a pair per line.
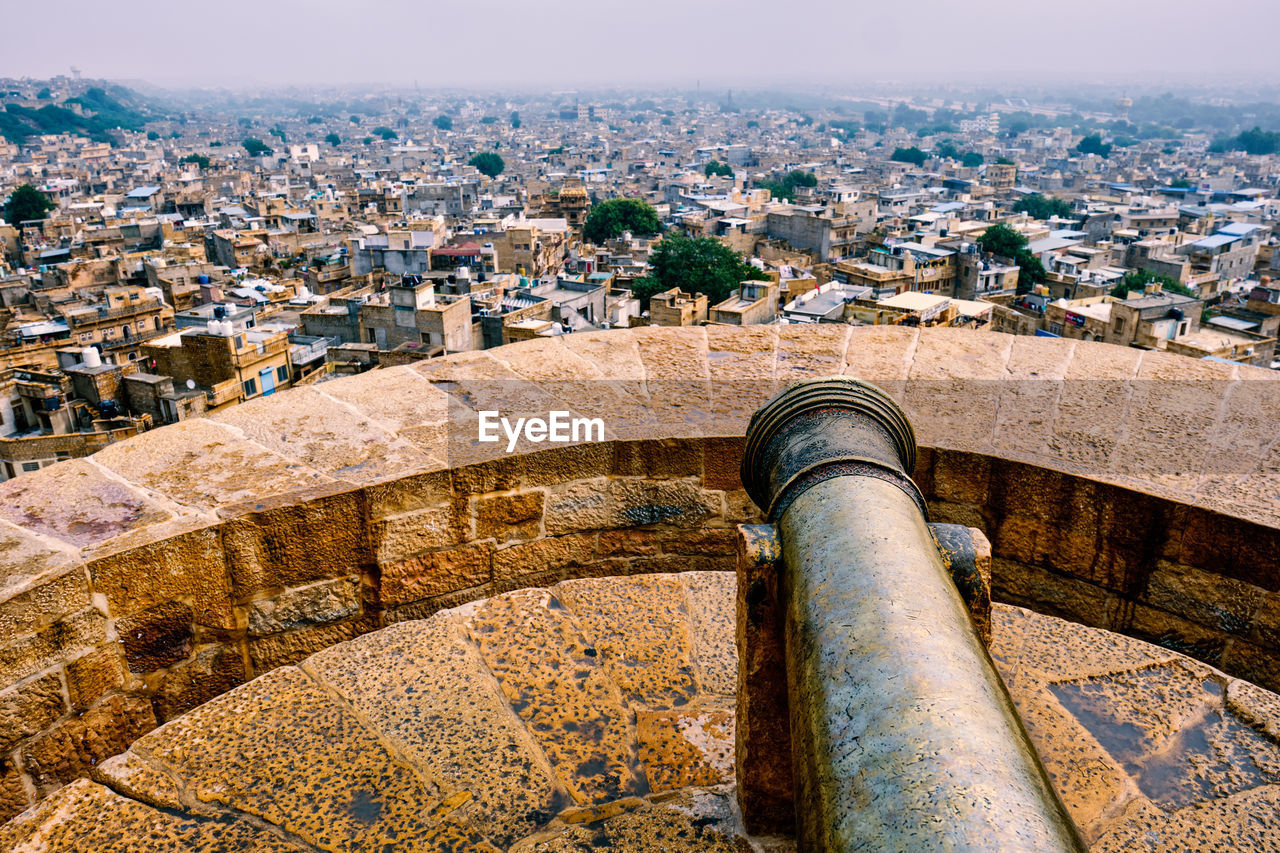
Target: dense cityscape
167,258
662,428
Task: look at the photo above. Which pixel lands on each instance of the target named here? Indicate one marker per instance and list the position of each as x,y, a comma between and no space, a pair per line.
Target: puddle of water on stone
1214,755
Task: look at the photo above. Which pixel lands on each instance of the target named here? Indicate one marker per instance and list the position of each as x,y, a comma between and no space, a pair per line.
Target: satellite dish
191,385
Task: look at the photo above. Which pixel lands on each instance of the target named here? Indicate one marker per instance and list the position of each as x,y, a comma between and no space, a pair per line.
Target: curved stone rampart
1129,490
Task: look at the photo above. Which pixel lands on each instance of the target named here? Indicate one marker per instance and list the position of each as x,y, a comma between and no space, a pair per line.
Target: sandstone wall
166,569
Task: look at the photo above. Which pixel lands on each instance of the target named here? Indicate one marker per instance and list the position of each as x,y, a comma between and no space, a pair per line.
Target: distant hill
117,109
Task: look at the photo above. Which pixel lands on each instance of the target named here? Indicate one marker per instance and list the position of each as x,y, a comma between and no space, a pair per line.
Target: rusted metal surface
902,734
966,555
762,753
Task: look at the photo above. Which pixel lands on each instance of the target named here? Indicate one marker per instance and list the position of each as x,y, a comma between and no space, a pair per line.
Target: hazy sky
573,43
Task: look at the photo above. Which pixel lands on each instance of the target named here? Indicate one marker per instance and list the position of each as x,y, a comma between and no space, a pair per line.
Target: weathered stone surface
552,677
91,676
505,517
330,439
690,820
435,573
679,749
77,503
71,637
13,795
543,555
448,716
39,589
296,542
133,776
282,749
69,749
626,502
317,604
30,709
709,598
202,464
638,631
156,637
1203,597
211,672
277,650
86,816
186,567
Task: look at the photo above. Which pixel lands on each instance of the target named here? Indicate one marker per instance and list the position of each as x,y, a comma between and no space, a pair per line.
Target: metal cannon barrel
903,735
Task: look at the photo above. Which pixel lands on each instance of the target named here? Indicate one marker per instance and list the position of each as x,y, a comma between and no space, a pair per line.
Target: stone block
317,604
33,602
69,749
13,792
279,650
23,656
434,574
685,748
92,676
1209,599
721,462
407,535
505,517
542,555
628,502
190,566
961,477
294,544
156,637
211,672
659,459
30,709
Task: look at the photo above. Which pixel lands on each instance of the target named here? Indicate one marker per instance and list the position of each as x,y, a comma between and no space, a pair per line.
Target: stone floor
598,714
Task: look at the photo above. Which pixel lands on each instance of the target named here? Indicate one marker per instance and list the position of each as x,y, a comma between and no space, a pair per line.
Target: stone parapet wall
166,569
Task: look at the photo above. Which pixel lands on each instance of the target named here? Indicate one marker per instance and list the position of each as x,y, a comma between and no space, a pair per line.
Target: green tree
256,147
1137,280
715,167
333,139
1258,141
26,203
971,160
1004,161
946,149
354,119
911,155
199,159
278,132
515,120
443,122
1093,144
785,188
1042,207
488,163
152,135
611,218
695,265
1180,184
44,94
384,131
489,120
1003,241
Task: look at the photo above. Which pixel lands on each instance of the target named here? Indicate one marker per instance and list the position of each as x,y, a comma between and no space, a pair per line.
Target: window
250,387
1055,328
282,373
1182,329
1119,325
30,466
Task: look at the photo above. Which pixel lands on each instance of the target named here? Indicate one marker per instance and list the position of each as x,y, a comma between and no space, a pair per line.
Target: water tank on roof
202,279
219,311
91,357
